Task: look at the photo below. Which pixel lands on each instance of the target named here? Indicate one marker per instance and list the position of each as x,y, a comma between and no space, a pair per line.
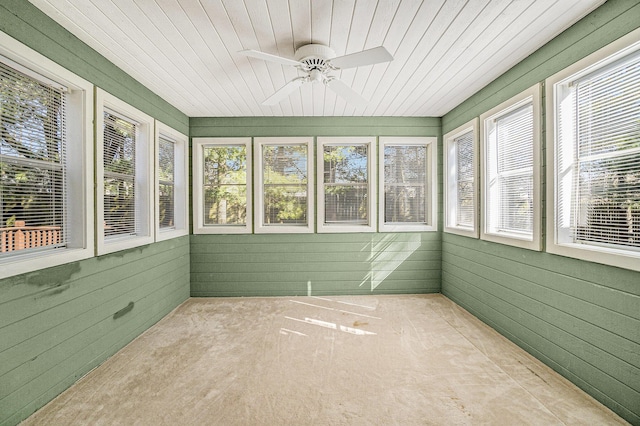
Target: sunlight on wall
387,255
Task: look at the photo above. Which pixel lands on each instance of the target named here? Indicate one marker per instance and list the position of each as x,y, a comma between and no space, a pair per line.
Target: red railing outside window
20,237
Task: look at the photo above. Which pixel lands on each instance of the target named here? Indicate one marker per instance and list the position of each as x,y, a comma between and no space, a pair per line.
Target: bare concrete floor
358,360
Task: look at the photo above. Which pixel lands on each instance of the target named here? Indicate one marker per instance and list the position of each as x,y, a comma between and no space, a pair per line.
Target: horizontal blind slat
605,195
32,160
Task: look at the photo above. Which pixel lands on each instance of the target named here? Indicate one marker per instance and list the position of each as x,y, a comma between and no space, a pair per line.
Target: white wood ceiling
186,50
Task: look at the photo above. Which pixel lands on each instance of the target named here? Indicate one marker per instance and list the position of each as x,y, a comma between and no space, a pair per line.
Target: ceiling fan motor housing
315,57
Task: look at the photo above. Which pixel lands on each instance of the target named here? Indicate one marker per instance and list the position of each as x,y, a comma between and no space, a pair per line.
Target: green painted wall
580,318
316,264
59,323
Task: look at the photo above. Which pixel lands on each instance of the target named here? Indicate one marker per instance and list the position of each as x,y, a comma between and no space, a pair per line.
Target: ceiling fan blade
346,92
284,91
366,57
269,57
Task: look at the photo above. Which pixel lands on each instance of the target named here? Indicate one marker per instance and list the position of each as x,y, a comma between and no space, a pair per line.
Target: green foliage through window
225,185
285,184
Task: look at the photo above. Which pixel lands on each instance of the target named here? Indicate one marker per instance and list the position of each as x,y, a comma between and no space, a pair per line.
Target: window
284,190
510,179
460,180
222,185
408,184
594,155
45,162
124,184
171,183
346,182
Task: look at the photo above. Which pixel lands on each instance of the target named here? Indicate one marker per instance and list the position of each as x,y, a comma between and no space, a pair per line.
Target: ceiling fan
317,61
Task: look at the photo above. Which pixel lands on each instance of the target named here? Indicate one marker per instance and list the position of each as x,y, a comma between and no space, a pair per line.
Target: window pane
166,199
32,163
166,203
465,179
285,184
606,191
607,207
346,204
517,203
345,164
119,206
346,184
405,183
515,140
225,185
119,176
510,196
119,145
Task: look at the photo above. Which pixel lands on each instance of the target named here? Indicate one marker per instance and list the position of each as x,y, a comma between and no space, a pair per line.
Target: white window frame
144,180
181,179
431,186
80,199
534,242
260,226
623,258
370,142
198,145
451,181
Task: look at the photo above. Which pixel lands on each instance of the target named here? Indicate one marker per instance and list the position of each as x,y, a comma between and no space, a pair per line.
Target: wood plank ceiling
186,50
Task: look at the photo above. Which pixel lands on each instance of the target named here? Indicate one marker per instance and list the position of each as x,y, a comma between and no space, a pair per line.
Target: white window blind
405,184
225,185
166,182
33,166
600,119
465,180
510,173
284,181
119,159
346,184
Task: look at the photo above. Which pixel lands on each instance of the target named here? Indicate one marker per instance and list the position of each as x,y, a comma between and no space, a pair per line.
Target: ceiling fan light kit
317,61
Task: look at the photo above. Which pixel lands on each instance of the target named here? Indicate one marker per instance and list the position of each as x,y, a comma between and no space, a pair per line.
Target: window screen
225,185
166,183
602,116
346,180
405,183
33,167
284,180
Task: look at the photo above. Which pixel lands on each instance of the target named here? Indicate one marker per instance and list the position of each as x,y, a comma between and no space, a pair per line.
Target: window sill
22,264
408,227
530,243
112,245
607,256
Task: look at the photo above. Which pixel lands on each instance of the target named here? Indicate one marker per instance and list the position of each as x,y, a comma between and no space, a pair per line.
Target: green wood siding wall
580,318
315,264
59,323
